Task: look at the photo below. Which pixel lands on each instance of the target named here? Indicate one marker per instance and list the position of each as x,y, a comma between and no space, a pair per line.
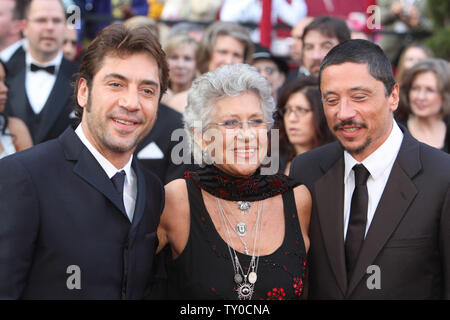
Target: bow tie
49,69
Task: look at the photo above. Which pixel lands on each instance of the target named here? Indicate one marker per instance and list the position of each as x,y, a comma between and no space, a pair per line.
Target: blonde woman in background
223,43
180,50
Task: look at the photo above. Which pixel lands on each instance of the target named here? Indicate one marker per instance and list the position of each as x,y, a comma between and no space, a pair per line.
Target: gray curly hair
227,81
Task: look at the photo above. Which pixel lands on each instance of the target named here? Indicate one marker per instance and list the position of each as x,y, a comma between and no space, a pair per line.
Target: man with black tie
78,213
40,85
380,226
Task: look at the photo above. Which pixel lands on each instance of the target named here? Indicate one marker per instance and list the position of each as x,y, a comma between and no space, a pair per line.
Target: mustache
349,123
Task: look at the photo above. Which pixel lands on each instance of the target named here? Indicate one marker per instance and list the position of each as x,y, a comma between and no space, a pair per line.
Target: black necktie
118,181
358,218
49,69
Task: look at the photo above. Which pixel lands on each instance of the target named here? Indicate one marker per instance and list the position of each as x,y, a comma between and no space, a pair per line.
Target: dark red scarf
228,187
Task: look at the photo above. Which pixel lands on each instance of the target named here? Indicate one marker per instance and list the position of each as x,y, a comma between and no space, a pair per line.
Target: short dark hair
362,52
118,40
309,86
330,26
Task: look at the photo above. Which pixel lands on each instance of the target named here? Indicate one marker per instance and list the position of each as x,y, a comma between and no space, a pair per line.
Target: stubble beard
107,141
357,150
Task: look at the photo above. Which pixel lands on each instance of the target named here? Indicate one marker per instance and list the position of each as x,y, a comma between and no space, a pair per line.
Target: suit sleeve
445,243
18,227
292,168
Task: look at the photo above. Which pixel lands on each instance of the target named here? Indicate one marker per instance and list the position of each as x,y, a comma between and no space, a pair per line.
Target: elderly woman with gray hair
234,232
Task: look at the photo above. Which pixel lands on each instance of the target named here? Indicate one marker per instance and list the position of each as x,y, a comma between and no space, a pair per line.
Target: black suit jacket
408,239
59,209
16,61
295,74
167,121
56,112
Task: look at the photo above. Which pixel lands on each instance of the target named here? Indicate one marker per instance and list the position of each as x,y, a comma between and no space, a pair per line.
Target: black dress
204,269
446,147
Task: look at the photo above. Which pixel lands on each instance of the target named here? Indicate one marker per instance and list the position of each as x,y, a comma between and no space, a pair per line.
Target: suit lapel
89,169
141,199
398,194
331,218
55,103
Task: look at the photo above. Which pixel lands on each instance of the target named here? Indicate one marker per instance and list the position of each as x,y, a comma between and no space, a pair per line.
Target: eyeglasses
235,124
299,111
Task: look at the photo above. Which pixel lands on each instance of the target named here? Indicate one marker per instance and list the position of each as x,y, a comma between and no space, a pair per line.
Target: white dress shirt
379,164
130,186
39,84
8,52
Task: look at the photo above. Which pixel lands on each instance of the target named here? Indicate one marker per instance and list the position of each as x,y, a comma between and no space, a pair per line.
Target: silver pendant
245,291
241,229
252,277
237,278
243,205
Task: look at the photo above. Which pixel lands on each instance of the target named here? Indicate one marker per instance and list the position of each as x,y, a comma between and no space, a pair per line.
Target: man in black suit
39,80
380,226
78,213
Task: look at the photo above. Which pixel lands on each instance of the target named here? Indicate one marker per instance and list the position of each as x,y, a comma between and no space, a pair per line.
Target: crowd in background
40,53
105,89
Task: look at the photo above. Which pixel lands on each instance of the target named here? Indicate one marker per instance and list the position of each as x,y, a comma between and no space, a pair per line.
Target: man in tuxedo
78,213
381,199
11,20
319,36
40,91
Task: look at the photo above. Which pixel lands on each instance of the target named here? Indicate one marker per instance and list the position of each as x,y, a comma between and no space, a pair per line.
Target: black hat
262,52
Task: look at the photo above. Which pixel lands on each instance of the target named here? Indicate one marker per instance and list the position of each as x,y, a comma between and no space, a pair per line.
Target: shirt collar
8,52
381,159
109,168
55,62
